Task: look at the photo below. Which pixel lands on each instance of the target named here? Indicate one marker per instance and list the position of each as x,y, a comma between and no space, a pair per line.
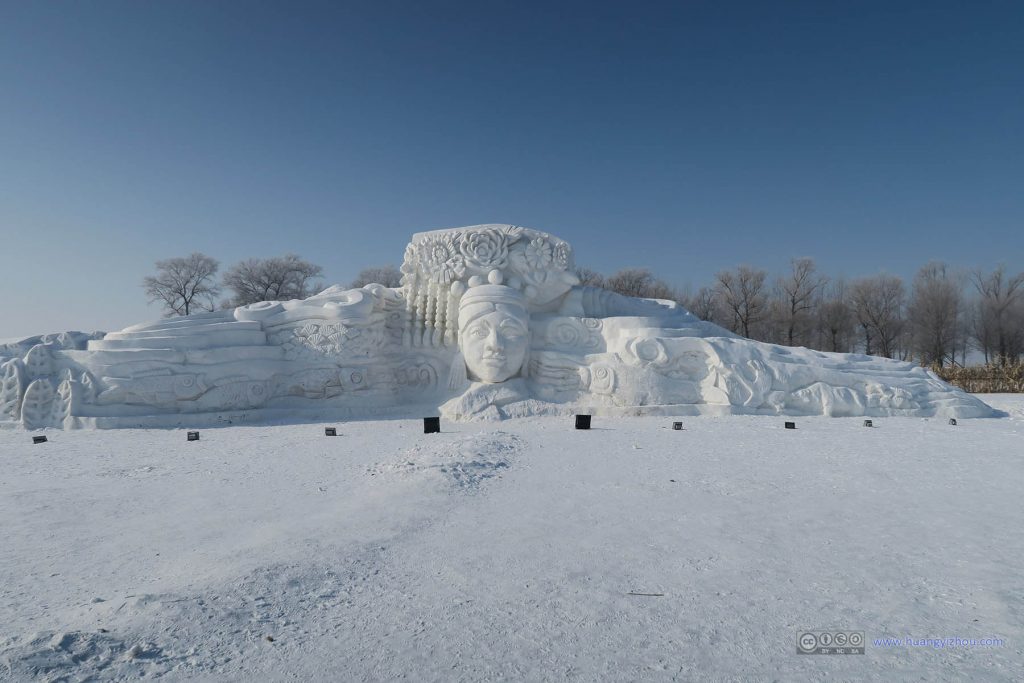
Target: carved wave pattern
417,374
330,339
576,334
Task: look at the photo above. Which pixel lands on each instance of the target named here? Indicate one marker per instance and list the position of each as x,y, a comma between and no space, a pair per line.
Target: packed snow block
677,426
64,341
791,425
583,422
431,425
38,439
193,436
169,330
330,431
183,321
182,341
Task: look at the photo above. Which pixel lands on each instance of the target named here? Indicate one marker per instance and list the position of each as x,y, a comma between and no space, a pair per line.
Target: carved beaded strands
439,264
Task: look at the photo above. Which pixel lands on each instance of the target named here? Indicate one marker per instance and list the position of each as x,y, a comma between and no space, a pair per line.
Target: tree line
938,319
188,284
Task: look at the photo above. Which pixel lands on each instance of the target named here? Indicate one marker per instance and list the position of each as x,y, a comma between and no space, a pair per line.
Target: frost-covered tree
998,318
836,321
878,303
388,275
589,277
273,279
703,304
798,296
184,284
743,298
639,282
935,315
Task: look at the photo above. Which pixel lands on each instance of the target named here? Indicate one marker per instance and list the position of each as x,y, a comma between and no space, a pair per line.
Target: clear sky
683,136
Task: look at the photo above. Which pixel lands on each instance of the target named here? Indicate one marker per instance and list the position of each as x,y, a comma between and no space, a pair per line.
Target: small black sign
582,422
431,425
677,425
791,425
193,436
38,439
330,431
867,423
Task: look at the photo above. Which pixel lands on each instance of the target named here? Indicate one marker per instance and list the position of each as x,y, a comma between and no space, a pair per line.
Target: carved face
494,345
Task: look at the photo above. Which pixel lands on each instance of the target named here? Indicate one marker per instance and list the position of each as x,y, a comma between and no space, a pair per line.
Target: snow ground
508,551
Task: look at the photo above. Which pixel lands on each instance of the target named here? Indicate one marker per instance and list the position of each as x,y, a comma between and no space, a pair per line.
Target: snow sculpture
37,405
493,329
12,387
38,362
489,322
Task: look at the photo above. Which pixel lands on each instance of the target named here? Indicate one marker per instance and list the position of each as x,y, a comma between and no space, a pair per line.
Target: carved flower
513,232
563,255
486,249
539,254
650,351
442,261
602,378
307,330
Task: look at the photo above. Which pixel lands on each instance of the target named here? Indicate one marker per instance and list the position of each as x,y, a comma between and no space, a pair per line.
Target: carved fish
153,390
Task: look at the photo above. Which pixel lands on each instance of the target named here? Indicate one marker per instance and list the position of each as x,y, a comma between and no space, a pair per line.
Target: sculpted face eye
512,331
478,331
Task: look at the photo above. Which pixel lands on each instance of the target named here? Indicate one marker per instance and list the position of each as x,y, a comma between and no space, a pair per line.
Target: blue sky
687,137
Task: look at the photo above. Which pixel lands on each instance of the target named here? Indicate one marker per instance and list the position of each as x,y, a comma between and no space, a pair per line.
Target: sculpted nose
493,342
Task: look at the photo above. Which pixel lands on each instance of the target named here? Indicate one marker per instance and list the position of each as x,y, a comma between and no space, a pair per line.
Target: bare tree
800,291
935,315
703,304
590,278
836,319
273,279
184,284
389,276
878,304
773,326
999,319
980,326
743,298
639,282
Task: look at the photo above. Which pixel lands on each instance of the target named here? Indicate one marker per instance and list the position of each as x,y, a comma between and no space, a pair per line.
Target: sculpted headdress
441,265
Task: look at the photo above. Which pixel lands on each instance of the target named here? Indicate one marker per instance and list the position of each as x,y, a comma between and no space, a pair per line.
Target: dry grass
986,379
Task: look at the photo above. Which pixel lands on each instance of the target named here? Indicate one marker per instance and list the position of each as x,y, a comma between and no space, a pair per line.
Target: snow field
509,550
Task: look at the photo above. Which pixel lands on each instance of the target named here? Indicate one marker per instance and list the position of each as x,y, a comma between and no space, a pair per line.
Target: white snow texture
489,323
516,551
